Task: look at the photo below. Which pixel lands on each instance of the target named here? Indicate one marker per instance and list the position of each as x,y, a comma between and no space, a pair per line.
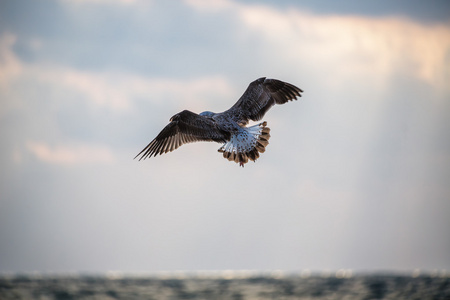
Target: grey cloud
433,11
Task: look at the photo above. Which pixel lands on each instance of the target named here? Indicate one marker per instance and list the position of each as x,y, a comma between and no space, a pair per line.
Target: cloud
10,65
105,2
113,90
118,91
371,47
211,6
71,154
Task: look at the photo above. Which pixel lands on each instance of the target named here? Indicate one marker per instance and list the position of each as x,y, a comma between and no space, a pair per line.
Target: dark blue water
252,287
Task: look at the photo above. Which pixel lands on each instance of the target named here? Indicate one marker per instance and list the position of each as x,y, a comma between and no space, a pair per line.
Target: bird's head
207,114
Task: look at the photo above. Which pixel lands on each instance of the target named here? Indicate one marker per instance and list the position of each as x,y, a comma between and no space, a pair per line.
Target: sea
225,285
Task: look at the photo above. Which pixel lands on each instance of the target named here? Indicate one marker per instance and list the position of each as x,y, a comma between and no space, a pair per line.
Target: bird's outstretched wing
184,127
260,96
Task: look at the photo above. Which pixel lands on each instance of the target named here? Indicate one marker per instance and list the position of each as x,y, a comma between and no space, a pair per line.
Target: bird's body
241,143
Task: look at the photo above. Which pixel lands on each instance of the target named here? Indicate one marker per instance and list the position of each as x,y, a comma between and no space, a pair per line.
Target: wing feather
260,96
184,127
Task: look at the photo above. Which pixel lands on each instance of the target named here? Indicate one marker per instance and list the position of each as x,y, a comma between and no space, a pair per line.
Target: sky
356,175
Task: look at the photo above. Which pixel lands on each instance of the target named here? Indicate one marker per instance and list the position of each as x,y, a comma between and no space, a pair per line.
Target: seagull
240,143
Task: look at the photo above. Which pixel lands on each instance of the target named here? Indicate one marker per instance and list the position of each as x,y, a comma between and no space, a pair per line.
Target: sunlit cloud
178,92
118,91
372,47
70,154
100,89
10,65
209,6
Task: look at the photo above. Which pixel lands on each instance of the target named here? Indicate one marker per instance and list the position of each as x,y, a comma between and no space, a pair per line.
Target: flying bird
241,143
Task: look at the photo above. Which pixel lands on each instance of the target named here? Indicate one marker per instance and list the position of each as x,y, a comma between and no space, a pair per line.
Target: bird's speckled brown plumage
241,143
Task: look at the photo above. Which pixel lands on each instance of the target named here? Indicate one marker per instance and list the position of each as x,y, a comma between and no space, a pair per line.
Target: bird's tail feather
246,144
